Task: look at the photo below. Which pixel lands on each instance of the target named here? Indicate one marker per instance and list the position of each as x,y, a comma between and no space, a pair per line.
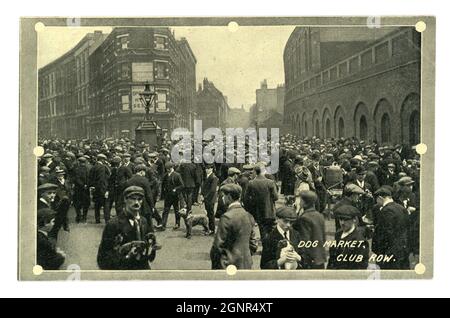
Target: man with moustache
127,241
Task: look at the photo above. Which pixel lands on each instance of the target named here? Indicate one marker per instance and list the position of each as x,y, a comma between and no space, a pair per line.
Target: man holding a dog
127,241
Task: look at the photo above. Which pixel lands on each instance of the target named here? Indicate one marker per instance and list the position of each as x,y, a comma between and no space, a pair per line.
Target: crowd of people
370,190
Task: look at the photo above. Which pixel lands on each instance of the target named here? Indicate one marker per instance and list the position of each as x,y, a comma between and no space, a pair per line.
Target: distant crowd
371,191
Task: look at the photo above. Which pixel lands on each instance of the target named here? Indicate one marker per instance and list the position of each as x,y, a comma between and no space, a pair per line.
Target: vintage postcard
226,148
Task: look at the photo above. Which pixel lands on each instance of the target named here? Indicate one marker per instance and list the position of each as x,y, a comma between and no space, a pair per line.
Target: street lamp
147,99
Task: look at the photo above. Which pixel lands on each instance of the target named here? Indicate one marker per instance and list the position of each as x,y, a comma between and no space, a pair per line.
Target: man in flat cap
317,174
234,242
171,189
389,176
127,241
391,231
48,255
311,226
140,179
233,175
259,201
351,249
47,194
280,248
99,177
81,195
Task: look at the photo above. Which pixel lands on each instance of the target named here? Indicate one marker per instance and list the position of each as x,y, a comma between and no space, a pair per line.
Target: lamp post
148,98
148,130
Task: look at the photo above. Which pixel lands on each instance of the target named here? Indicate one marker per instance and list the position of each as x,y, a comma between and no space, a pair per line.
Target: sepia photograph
226,148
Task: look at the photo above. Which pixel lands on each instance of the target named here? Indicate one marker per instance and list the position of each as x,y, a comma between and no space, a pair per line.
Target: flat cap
346,212
308,196
231,188
44,168
232,171
140,167
59,171
404,181
391,165
358,157
384,191
47,155
353,188
126,155
133,190
169,165
153,155
47,187
82,159
164,149
101,156
116,159
70,154
248,167
286,213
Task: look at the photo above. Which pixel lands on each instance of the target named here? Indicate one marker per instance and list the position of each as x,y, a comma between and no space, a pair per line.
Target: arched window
414,128
317,129
385,128
363,128
328,128
306,130
341,128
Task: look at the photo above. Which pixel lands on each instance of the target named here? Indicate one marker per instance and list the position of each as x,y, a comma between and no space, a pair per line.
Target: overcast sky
235,61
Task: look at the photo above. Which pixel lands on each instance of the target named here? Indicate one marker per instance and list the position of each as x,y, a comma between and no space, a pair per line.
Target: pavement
177,253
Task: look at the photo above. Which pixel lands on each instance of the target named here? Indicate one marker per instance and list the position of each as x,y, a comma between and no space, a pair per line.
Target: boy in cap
48,255
280,248
127,241
352,255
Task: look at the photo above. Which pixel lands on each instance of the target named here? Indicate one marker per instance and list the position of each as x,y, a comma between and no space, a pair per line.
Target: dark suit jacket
124,173
108,256
99,178
47,256
391,232
311,227
271,253
209,189
188,173
235,241
172,185
288,178
260,198
344,263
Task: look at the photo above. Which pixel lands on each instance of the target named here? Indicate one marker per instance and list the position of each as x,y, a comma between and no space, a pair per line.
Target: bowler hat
133,190
286,213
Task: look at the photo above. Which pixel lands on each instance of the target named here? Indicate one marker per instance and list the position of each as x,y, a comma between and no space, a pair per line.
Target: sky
235,60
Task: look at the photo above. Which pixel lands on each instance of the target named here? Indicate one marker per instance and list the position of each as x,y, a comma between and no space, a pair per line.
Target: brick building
127,59
63,91
211,106
93,90
345,82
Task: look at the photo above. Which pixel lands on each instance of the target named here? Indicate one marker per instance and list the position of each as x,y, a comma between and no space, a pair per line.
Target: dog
191,220
284,247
